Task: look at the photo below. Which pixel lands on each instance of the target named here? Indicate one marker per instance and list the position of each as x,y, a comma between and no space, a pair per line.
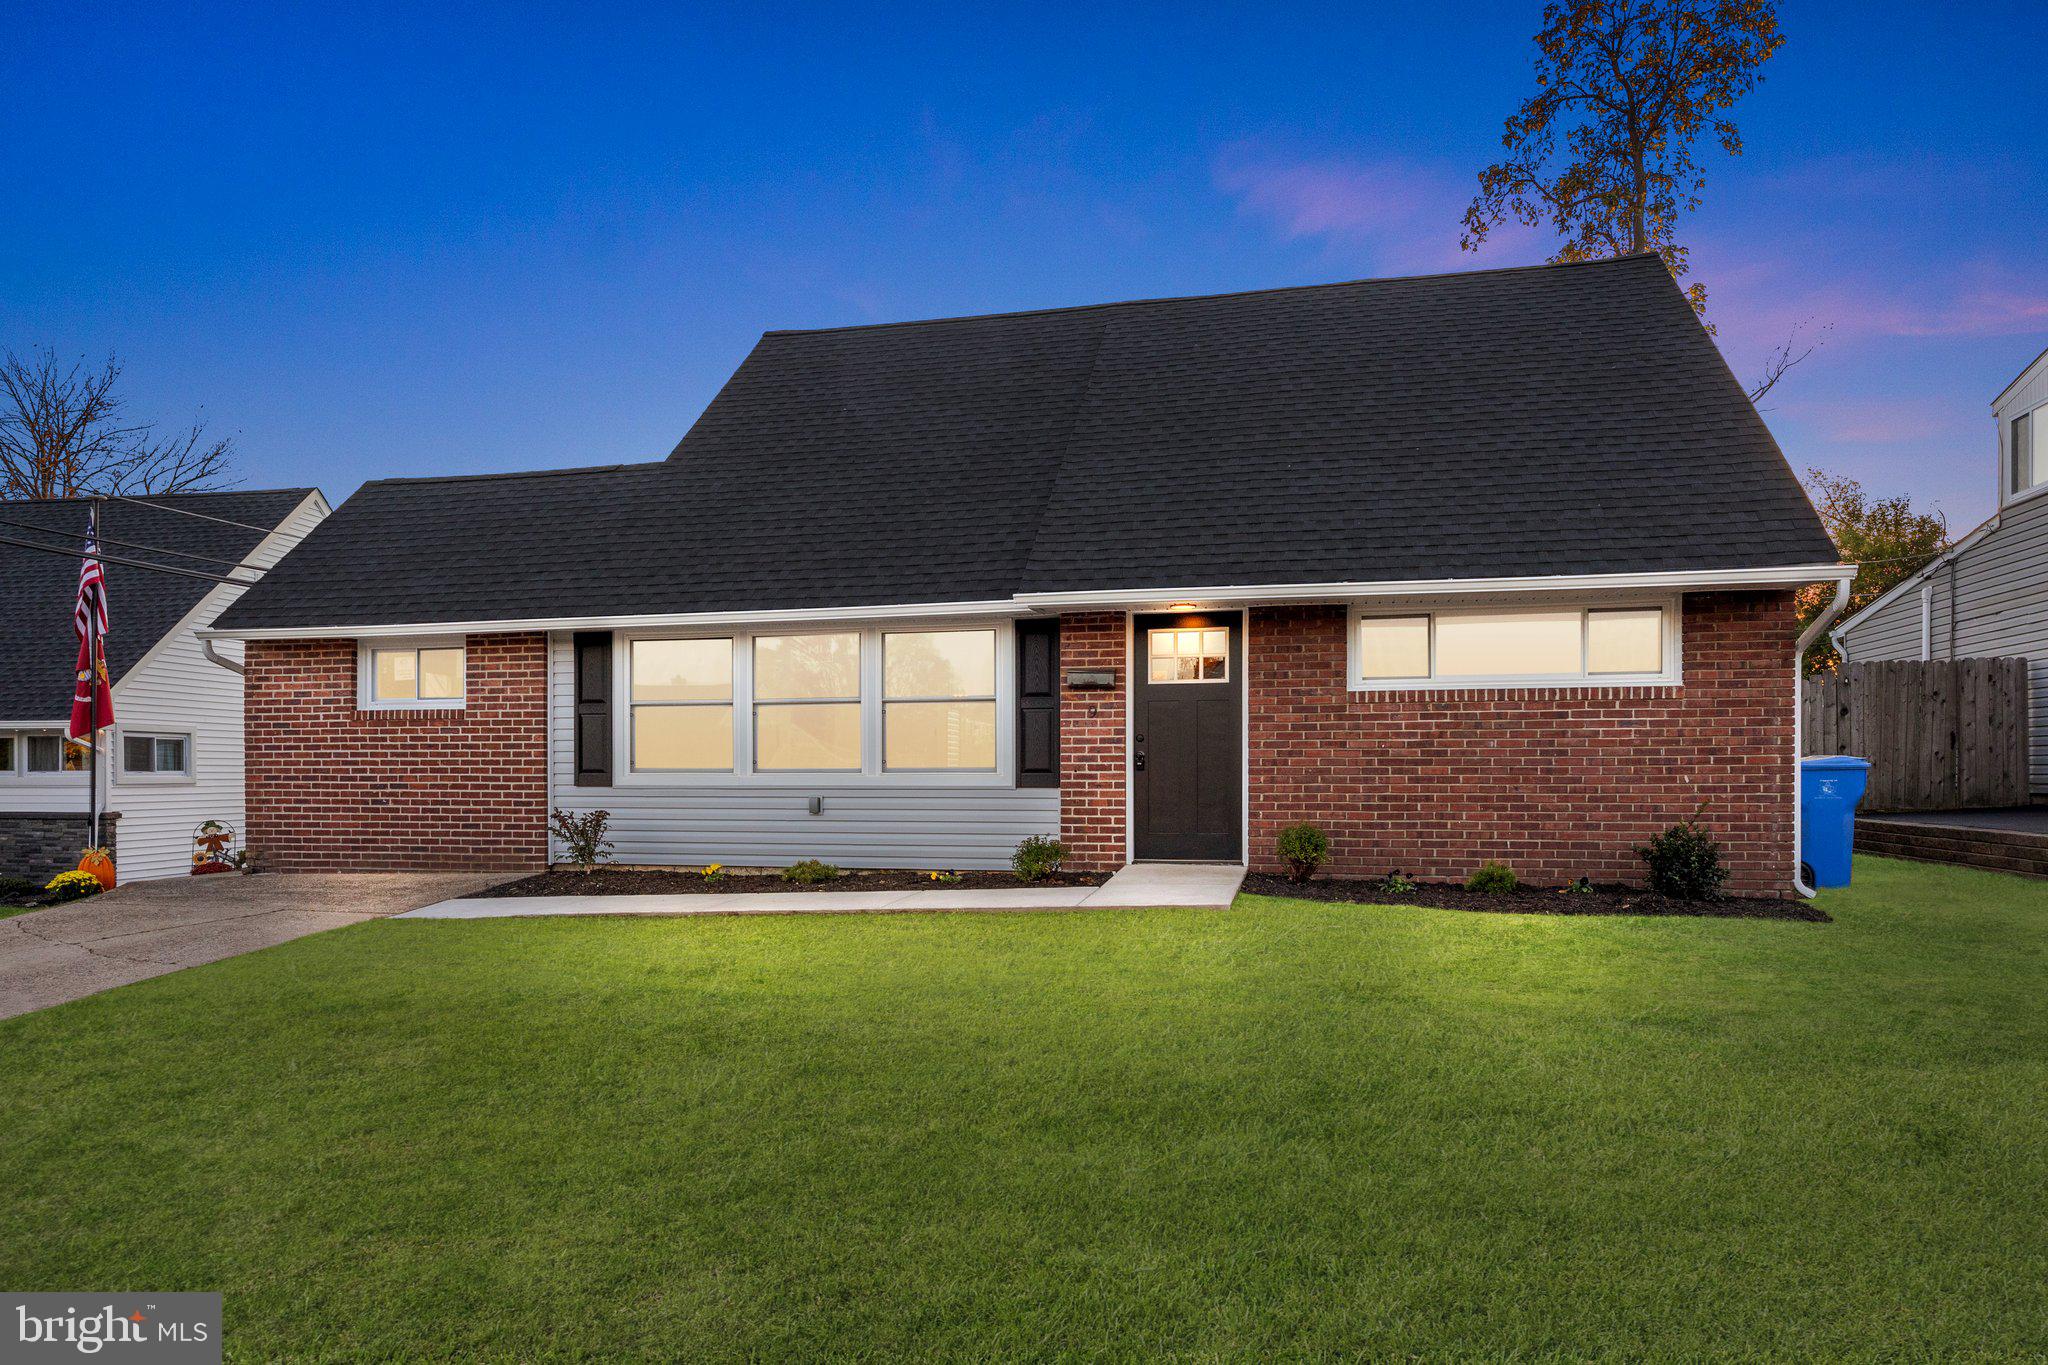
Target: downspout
1807,637
215,656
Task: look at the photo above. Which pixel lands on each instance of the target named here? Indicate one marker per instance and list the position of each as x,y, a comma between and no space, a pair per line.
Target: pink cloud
1407,214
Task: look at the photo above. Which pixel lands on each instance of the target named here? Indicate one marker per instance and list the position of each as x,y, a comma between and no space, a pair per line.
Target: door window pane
689,738
807,737
682,670
807,667
1508,644
939,663
1394,646
440,674
939,734
1625,641
1194,654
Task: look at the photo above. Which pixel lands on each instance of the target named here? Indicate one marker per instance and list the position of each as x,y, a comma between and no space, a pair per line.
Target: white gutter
651,621
1790,576
1806,638
213,655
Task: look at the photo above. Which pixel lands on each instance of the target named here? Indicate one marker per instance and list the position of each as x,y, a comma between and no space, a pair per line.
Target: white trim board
1024,604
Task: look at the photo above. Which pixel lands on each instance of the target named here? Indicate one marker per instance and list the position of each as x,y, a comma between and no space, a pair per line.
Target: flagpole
92,662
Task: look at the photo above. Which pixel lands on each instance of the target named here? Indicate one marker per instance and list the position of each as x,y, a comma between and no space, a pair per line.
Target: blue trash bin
1829,788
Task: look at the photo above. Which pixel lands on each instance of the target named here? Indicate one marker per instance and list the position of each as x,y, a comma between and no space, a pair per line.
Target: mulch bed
1525,900
622,881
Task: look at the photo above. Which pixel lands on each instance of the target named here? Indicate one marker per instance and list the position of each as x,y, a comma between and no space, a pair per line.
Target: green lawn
1287,1128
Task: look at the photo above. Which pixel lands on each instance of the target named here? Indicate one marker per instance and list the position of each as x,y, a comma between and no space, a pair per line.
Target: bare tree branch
63,433
1784,358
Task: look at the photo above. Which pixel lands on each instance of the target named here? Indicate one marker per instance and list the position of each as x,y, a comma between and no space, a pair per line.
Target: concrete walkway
149,928
1201,886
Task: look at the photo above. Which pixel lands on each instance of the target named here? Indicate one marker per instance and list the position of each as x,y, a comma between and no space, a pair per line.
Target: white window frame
1670,675
125,775
366,672
19,774
2037,424
885,701
871,773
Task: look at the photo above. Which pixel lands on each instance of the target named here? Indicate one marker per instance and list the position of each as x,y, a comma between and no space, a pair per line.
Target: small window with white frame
1511,646
33,754
155,755
2028,452
413,674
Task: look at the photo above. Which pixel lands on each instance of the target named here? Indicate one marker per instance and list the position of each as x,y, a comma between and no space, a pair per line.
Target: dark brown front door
1187,735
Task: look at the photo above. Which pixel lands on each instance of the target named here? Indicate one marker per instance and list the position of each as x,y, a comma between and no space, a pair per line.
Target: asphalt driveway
149,928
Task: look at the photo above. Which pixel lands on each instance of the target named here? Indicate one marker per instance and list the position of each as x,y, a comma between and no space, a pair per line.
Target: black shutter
593,708
1038,703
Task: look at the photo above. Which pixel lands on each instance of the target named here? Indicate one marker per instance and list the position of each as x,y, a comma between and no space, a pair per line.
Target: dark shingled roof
38,644
1550,420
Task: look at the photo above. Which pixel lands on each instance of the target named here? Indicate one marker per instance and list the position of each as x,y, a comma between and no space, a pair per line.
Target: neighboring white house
175,757
1988,595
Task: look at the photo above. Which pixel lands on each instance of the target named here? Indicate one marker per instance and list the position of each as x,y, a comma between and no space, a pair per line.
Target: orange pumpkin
100,863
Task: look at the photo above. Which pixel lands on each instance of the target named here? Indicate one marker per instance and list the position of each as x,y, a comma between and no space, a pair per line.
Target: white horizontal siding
859,825
1999,588
174,689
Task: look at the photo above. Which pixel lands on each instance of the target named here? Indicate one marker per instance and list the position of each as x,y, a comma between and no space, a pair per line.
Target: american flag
92,702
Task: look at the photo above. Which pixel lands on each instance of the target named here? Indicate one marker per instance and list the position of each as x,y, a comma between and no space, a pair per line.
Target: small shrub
1038,857
1397,884
19,890
1685,862
1303,847
72,886
1493,878
582,836
1582,887
810,872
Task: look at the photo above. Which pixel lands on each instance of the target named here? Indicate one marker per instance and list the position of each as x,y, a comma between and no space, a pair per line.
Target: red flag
92,701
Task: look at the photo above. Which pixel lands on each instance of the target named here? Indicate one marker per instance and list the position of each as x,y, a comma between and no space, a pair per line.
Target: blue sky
375,242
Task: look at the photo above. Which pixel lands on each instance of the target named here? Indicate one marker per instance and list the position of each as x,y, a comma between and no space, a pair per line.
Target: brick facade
1556,782
332,788
1092,798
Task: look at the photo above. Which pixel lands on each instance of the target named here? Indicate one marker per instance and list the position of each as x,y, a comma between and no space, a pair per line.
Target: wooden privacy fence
1940,734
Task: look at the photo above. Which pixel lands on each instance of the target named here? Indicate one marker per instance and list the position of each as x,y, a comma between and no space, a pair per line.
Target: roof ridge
519,473
1204,298
159,497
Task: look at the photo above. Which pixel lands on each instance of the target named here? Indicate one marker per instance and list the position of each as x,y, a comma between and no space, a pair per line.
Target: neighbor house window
681,697
939,700
404,675
807,709
1195,654
155,755
8,749
1513,645
2025,475
54,754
